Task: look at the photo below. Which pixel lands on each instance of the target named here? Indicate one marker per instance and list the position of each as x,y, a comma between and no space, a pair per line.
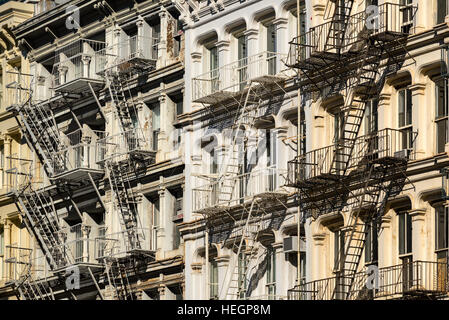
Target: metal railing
135,47
386,143
80,151
79,59
390,18
118,244
121,144
235,76
18,87
407,279
244,186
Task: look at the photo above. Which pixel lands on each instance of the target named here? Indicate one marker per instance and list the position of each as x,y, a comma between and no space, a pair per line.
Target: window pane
401,233
368,243
441,11
409,108
440,108
409,233
441,135
156,117
401,108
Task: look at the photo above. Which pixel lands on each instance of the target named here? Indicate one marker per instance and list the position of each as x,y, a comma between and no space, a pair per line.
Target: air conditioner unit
291,244
402,154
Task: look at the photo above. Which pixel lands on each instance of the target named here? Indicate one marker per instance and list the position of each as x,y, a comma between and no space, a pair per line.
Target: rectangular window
339,242
271,48
441,11
405,111
271,273
406,15
2,240
441,228
156,124
213,279
405,233
441,115
371,117
213,68
371,243
243,61
176,236
242,265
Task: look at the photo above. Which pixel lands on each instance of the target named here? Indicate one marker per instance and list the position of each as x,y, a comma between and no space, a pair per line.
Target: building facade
224,149
100,111
12,233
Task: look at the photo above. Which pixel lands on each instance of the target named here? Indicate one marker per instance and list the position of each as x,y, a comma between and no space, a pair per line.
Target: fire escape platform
83,267
80,85
79,174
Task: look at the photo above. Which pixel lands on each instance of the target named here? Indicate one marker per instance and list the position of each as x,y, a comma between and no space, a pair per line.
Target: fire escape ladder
230,279
354,109
119,181
338,25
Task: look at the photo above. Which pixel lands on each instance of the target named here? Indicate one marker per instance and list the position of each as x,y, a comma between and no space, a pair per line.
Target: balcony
322,57
118,245
235,191
417,279
319,166
136,52
79,156
119,146
76,66
232,80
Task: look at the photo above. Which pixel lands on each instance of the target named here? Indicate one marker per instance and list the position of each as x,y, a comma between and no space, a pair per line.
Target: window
371,242
339,242
406,15
242,265
213,68
405,233
405,118
2,240
441,115
441,228
371,117
243,61
271,273
79,243
176,236
156,115
271,147
2,163
213,279
441,11
271,48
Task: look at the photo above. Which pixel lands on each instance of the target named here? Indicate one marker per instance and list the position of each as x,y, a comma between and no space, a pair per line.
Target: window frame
441,118
407,126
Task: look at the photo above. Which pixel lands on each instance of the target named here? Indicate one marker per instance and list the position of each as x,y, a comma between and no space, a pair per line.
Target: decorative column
163,123
281,268
384,111
222,265
161,244
162,47
86,64
7,140
196,69
7,227
85,230
317,268
419,234
282,41
385,245
223,59
162,290
252,41
420,120
85,140
62,74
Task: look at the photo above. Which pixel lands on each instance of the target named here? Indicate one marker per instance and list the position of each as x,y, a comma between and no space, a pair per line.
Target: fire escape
127,157
350,56
235,202
68,160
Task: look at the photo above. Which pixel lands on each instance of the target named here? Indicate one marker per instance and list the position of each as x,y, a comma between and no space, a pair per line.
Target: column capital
251,33
161,191
86,58
279,22
385,222
418,214
418,88
223,44
318,238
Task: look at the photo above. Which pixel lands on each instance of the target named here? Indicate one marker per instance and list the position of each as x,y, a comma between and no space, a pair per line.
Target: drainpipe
298,147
